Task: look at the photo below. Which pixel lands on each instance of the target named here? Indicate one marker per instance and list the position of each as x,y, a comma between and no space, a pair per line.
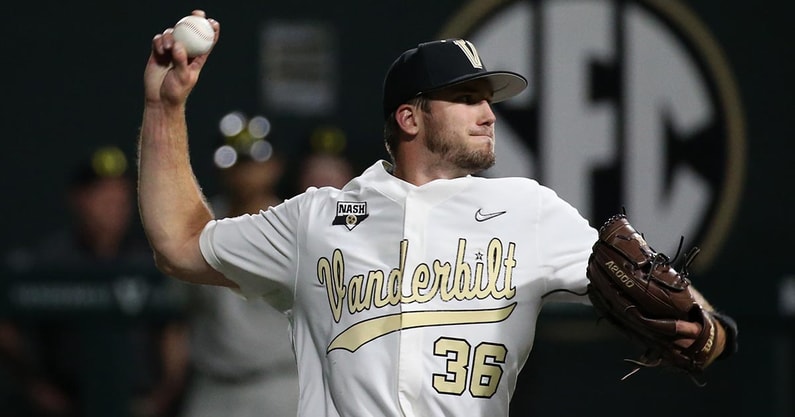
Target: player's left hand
688,331
638,290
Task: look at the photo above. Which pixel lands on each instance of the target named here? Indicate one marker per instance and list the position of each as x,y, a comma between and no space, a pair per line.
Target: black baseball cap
439,64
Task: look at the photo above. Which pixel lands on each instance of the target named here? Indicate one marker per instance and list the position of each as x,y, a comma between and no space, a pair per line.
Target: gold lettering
462,274
508,291
330,274
375,288
620,274
442,271
368,330
711,339
493,258
476,287
395,281
357,300
423,286
448,282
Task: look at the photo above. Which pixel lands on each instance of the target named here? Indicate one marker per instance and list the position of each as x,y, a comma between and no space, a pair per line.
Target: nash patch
350,213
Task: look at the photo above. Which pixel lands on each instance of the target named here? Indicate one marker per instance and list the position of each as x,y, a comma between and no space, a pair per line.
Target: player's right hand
170,75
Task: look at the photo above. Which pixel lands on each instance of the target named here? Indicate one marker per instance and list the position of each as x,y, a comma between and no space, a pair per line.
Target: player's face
459,127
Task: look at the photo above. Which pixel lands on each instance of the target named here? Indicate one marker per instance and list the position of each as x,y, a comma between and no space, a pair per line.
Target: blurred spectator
48,357
100,197
231,375
325,164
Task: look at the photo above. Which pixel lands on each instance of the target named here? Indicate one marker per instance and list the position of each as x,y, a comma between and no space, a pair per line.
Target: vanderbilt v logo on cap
435,65
470,51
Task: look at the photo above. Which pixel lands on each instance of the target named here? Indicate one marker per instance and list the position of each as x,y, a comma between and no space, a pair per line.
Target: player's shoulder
509,184
315,194
319,196
519,189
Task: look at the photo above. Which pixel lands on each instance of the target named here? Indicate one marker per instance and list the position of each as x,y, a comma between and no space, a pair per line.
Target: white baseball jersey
405,300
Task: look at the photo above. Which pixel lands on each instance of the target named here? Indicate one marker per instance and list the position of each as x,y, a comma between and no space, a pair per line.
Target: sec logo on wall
631,104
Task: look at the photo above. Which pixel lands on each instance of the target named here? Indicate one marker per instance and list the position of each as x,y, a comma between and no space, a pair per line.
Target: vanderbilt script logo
448,281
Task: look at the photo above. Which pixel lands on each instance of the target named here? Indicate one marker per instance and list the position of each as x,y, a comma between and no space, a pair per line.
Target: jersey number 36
484,376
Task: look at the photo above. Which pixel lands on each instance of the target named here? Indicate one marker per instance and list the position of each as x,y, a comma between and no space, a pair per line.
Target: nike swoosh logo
482,217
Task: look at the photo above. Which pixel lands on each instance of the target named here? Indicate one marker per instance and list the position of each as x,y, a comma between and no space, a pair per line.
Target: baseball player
412,291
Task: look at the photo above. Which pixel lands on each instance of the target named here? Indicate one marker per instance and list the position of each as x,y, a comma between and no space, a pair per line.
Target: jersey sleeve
257,251
566,243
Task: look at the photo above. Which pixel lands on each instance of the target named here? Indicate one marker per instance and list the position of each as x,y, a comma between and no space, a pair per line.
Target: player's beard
443,142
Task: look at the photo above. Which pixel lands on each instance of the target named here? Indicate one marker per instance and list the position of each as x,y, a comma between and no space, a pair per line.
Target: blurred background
679,111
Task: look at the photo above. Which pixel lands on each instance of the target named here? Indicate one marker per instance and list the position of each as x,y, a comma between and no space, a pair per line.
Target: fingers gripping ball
195,33
643,295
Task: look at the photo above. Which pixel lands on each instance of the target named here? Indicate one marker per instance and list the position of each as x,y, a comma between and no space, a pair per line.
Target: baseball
195,33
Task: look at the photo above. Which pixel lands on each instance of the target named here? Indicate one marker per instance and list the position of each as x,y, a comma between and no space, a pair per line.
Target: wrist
730,331
164,107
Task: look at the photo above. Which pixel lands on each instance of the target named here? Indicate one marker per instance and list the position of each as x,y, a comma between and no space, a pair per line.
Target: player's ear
407,117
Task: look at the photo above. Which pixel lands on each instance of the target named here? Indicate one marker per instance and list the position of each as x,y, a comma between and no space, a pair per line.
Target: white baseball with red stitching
195,33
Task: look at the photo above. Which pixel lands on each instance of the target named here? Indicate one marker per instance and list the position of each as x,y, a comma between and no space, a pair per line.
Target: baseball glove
642,294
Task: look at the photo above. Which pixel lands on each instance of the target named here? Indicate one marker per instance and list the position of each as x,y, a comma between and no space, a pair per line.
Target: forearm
172,206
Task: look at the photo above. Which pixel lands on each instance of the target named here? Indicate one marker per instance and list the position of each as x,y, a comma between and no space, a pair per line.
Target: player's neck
421,173
419,179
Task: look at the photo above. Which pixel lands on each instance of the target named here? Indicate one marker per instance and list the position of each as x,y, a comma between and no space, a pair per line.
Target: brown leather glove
639,291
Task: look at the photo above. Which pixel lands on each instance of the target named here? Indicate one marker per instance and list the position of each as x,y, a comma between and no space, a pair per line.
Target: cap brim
504,84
